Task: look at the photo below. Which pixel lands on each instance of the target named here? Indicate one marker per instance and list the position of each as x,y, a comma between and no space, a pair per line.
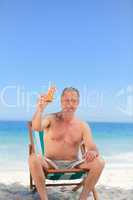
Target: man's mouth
68,110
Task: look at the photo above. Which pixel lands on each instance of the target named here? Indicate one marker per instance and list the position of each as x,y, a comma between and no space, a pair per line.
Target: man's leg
36,170
95,169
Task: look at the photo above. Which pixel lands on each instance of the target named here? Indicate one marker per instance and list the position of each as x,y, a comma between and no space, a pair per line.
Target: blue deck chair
69,175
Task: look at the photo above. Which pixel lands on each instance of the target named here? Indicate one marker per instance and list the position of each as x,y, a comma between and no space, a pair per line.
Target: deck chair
69,175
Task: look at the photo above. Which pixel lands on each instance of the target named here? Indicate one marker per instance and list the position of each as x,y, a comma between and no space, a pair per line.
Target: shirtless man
64,133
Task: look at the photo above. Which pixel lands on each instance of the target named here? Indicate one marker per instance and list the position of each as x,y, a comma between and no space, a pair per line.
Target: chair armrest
71,170
82,147
31,145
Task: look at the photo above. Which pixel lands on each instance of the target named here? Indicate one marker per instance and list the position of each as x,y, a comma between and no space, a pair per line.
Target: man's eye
70,100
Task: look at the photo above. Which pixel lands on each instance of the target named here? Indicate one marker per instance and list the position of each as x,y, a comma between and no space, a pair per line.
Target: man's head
70,100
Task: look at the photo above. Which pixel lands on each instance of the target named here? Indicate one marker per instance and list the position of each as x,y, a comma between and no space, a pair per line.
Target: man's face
69,101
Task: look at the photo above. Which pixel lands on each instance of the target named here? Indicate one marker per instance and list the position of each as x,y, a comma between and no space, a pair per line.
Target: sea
114,141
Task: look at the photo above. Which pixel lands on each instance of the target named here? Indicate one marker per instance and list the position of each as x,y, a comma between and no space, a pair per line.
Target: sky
85,44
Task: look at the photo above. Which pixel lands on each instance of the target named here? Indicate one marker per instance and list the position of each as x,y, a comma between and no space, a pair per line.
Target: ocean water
114,141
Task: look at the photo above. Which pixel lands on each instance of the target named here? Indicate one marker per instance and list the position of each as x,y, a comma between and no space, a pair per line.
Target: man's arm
37,123
90,146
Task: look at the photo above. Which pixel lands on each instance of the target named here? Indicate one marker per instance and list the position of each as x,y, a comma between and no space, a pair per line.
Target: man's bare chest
69,133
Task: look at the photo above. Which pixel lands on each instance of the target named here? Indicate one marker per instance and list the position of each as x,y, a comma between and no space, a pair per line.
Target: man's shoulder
84,124
48,120
52,117
49,116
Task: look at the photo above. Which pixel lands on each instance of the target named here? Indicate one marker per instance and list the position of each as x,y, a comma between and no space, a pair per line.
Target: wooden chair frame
51,171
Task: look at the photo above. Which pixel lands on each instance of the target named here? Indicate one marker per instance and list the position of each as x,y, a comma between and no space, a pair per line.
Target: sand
114,184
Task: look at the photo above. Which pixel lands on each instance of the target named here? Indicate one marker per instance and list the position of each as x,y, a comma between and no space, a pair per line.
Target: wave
122,160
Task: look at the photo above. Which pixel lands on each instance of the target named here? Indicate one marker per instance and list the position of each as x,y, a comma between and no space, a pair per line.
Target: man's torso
62,139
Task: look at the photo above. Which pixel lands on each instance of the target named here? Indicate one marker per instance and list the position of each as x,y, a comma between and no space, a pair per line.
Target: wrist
92,150
39,111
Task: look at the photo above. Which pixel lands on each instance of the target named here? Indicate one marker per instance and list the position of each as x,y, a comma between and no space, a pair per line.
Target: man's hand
45,99
42,102
90,155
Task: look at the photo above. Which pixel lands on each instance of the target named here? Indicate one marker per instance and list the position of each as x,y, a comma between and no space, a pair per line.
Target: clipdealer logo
23,98
17,96
125,100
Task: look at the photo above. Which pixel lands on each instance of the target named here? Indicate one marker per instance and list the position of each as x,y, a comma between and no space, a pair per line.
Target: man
64,134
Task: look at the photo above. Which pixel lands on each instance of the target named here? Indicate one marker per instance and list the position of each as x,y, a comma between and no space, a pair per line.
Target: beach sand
17,191
114,184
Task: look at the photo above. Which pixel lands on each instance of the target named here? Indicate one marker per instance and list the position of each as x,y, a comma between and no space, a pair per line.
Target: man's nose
69,104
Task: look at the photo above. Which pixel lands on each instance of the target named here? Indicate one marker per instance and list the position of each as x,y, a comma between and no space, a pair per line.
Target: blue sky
84,44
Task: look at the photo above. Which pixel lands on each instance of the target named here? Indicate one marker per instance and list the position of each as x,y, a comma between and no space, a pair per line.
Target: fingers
90,156
44,99
42,102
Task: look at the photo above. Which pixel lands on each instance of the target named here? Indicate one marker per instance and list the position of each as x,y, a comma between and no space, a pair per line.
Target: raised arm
37,123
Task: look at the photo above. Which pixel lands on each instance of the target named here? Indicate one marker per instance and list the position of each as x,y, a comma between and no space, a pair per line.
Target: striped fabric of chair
40,149
74,176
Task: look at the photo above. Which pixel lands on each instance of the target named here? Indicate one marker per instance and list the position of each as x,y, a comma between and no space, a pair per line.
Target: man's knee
43,163
97,164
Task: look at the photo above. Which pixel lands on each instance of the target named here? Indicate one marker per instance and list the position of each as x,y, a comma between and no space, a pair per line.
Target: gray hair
70,89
